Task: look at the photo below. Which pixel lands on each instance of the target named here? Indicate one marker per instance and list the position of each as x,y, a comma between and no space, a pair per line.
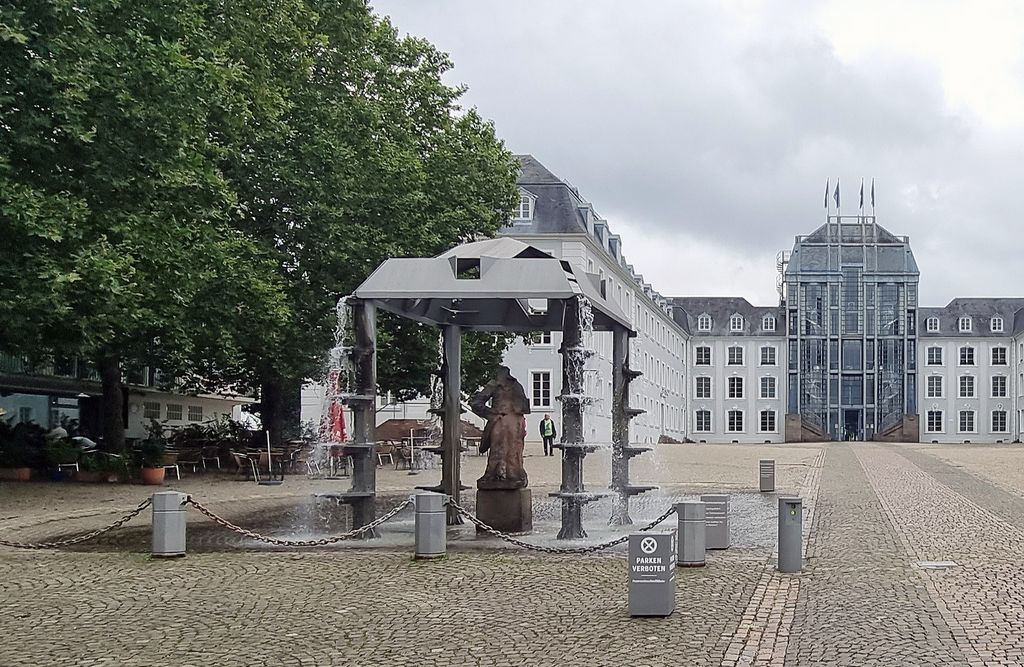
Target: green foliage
22,445
150,452
61,450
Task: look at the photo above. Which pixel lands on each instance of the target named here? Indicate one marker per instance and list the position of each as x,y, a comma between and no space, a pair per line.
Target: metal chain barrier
81,538
554,550
356,532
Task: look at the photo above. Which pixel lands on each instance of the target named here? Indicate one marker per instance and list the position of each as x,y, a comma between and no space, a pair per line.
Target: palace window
736,323
999,421
703,356
934,356
703,389
967,421
703,424
735,421
525,209
964,324
768,323
768,387
735,387
966,386
934,386
704,323
768,355
999,386
999,356
932,324
934,424
540,389
768,421
997,325
966,355
735,355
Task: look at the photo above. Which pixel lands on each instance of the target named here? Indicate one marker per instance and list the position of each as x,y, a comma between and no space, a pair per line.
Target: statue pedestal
508,510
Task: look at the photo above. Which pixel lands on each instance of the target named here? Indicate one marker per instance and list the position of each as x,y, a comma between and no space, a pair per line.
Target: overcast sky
704,132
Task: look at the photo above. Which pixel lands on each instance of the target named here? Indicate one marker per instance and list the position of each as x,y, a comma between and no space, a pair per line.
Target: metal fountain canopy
493,285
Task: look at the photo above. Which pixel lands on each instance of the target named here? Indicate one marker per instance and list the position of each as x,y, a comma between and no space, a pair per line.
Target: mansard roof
556,208
981,311
688,308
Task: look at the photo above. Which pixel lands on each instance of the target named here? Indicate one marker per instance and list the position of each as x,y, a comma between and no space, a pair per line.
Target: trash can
791,517
168,524
691,519
431,525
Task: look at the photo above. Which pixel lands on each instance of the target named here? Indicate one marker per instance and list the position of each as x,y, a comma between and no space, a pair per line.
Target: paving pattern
879,521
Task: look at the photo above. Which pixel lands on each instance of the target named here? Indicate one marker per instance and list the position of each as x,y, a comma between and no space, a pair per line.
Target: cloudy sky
704,132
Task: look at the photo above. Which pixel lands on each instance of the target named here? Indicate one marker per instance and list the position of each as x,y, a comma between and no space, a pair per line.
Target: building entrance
853,428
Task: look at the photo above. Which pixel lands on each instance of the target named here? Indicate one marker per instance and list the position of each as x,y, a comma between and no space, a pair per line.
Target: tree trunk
280,407
113,403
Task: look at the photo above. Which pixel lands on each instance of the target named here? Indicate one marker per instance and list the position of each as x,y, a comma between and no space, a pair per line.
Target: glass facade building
851,303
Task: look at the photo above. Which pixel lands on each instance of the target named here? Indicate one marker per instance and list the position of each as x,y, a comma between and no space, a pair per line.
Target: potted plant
101,467
60,452
151,454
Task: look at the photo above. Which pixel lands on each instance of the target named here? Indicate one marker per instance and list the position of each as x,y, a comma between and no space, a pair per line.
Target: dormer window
964,325
704,323
525,209
932,324
736,323
768,323
997,325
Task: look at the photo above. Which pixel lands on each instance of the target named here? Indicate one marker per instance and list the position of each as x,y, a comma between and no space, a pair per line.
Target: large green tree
120,239
368,156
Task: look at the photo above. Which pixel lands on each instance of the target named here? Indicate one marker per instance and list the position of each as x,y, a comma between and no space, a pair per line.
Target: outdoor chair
304,457
170,462
386,451
245,466
210,453
190,457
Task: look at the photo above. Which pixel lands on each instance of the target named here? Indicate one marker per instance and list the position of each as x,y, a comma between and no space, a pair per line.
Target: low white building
969,359
736,369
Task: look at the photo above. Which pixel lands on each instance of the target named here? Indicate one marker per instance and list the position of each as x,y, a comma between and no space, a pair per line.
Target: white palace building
846,354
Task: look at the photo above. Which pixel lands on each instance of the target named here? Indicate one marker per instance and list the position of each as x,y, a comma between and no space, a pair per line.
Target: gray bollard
652,575
716,520
431,525
168,524
767,476
791,519
691,534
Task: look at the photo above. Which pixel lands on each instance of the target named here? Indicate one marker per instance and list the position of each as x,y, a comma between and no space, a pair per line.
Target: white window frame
928,424
541,340
151,409
1006,386
964,325
760,421
774,355
973,355
696,387
728,421
192,415
703,322
733,382
696,355
736,323
772,384
932,324
928,387
768,323
960,421
973,386
928,355
728,355
997,325
179,409
992,355
525,201
696,421
534,403
1006,421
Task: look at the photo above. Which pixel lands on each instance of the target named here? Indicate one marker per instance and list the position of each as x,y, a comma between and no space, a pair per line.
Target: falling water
338,382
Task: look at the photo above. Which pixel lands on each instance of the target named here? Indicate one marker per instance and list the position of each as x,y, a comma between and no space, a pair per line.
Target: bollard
431,525
767,477
716,515
652,576
691,534
791,519
168,524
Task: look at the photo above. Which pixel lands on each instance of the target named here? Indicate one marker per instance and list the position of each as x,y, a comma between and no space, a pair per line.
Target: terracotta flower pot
23,474
153,476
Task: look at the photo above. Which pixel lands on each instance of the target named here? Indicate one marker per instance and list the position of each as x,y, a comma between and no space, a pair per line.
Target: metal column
451,420
364,449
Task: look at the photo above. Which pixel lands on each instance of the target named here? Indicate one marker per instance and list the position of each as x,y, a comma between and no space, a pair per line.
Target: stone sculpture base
508,510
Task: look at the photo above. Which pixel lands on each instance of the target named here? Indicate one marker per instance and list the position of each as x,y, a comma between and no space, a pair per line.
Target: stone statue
505,431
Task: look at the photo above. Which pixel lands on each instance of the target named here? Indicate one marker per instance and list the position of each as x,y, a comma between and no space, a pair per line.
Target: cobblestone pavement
873,514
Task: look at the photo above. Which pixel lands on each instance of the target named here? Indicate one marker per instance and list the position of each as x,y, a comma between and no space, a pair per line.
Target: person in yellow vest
548,433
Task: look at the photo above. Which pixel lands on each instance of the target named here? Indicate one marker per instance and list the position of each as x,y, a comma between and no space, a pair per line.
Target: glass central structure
851,303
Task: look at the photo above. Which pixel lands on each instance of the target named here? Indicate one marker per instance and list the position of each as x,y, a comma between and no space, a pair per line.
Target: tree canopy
194,184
